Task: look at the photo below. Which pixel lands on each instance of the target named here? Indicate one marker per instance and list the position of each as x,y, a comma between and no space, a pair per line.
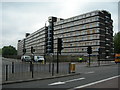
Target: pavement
27,76
42,77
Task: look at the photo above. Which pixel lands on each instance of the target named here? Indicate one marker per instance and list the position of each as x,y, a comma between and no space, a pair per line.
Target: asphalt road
92,74
112,83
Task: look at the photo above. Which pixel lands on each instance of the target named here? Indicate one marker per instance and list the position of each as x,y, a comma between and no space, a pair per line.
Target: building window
93,31
88,37
97,18
97,24
82,49
88,15
97,42
82,32
82,37
97,30
88,31
92,14
83,16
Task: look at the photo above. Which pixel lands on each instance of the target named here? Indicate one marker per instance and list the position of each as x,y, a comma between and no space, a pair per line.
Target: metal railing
25,70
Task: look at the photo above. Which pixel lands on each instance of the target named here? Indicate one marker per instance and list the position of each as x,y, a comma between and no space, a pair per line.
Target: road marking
57,83
96,82
89,72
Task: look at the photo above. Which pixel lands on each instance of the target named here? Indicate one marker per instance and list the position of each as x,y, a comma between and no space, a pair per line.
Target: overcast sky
21,17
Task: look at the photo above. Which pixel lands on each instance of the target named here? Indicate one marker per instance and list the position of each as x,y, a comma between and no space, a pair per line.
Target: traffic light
32,50
99,51
89,50
60,45
24,51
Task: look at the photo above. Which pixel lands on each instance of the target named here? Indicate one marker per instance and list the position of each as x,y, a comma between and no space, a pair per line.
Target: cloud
21,17
119,16
0,25
71,8
75,7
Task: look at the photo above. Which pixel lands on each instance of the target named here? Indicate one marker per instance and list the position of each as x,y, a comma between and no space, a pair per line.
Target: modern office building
93,29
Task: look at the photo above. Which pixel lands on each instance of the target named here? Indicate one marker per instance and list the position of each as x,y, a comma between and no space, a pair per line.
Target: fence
18,70
26,70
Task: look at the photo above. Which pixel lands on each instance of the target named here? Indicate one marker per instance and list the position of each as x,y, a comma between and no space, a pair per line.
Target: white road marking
89,72
57,83
96,82
74,80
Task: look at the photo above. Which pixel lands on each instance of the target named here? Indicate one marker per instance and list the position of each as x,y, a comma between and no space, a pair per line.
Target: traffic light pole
89,51
98,60
53,66
89,59
99,53
59,48
57,62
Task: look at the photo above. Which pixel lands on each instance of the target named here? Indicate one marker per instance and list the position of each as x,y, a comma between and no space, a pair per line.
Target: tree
0,51
8,50
117,42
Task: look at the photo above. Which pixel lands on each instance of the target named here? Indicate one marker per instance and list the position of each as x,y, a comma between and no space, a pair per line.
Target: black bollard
49,67
6,72
69,71
52,69
98,60
12,67
31,68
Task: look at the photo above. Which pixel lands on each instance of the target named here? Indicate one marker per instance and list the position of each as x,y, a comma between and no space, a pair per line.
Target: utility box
72,67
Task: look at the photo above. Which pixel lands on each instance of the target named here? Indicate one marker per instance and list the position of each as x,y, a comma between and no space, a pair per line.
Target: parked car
26,58
39,59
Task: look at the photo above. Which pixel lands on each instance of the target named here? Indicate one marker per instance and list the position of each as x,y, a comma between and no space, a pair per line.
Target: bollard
32,74
31,69
89,60
52,69
12,67
49,67
69,68
99,63
72,68
6,72
98,60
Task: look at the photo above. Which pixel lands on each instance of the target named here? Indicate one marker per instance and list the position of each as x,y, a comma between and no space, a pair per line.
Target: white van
39,59
26,58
